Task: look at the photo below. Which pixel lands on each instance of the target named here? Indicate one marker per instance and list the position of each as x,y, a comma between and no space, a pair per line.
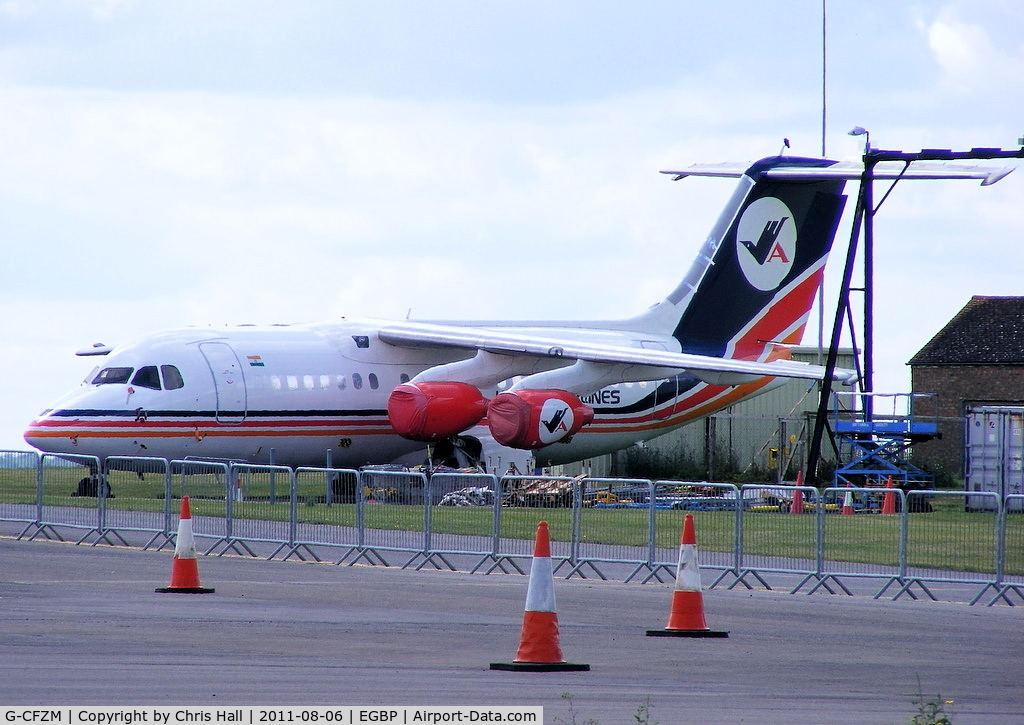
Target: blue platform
874,448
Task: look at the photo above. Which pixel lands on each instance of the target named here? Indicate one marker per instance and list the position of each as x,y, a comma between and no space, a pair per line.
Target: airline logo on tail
766,243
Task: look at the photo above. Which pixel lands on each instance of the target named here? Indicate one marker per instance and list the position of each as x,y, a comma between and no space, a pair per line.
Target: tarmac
82,625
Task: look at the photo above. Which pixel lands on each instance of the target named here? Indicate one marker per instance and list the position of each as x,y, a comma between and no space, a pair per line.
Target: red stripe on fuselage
164,428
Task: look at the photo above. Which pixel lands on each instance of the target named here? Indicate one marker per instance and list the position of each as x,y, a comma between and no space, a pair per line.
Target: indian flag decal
255,361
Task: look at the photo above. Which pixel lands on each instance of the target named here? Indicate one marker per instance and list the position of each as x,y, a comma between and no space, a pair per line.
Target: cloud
199,184
969,56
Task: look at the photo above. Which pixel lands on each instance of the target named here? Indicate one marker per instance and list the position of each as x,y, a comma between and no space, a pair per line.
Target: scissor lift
874,433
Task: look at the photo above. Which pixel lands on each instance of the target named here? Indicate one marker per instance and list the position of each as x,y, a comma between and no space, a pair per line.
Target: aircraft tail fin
754,281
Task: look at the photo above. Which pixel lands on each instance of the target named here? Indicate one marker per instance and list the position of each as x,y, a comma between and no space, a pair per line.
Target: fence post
168,499
738,537
428,517
819,519
576,524
293,506
39,495
496,521
903,544
652,528
361,513
1001,542
229,507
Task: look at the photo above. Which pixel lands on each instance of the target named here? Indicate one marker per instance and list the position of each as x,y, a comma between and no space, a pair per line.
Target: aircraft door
228,381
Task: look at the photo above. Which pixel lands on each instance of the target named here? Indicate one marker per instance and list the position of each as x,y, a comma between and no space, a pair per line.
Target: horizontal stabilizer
853,170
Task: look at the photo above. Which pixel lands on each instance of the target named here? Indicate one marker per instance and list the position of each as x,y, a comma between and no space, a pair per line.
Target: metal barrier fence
837,539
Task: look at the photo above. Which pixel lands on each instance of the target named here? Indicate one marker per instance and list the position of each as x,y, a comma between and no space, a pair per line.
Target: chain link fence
840,540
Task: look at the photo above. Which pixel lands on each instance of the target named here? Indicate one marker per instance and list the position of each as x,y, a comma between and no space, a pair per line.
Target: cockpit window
147,377
172,377
108,376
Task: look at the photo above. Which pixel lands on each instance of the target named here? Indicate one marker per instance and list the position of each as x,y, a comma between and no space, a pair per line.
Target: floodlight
861,131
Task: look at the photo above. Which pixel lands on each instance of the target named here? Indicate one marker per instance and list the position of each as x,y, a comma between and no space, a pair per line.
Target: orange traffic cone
539,650
797,506
687,616
889,500
847,504
185,569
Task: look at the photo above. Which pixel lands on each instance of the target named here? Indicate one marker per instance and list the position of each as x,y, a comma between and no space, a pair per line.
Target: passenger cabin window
147,377
372,377
108,376
357,381
172,377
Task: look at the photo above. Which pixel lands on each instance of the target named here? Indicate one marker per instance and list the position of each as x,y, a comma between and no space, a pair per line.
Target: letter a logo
779,254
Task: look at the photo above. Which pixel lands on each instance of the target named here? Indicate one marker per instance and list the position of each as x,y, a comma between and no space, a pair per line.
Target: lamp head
861,131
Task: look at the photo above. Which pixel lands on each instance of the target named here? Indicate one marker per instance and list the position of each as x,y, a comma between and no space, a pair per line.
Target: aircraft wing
415,334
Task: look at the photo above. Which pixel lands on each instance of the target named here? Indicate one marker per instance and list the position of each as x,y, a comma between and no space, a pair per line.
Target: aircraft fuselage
291,393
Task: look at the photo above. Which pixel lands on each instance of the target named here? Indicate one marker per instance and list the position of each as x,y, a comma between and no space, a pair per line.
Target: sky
210,163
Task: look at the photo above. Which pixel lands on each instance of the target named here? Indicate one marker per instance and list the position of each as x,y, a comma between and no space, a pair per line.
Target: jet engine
529,419
429,412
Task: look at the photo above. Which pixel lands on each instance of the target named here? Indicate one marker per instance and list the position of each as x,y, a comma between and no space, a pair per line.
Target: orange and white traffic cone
539,650
847,504
185,569
797,507
889,500
686,619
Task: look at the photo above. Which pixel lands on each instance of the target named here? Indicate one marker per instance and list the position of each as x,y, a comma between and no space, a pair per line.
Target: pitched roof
987,331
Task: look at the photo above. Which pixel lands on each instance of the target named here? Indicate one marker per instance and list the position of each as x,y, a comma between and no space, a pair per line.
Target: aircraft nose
41,433
32,432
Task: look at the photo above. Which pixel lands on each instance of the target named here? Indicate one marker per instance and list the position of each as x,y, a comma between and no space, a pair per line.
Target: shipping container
994,451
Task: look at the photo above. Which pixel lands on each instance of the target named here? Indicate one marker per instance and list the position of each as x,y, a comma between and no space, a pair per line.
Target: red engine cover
530,419
431,411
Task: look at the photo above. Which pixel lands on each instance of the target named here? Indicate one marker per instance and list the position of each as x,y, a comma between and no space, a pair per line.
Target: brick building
974,363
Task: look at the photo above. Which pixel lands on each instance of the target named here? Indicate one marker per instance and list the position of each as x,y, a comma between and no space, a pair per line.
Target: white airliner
496,393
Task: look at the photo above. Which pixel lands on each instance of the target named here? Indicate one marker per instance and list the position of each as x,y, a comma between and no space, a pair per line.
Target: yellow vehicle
608,498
